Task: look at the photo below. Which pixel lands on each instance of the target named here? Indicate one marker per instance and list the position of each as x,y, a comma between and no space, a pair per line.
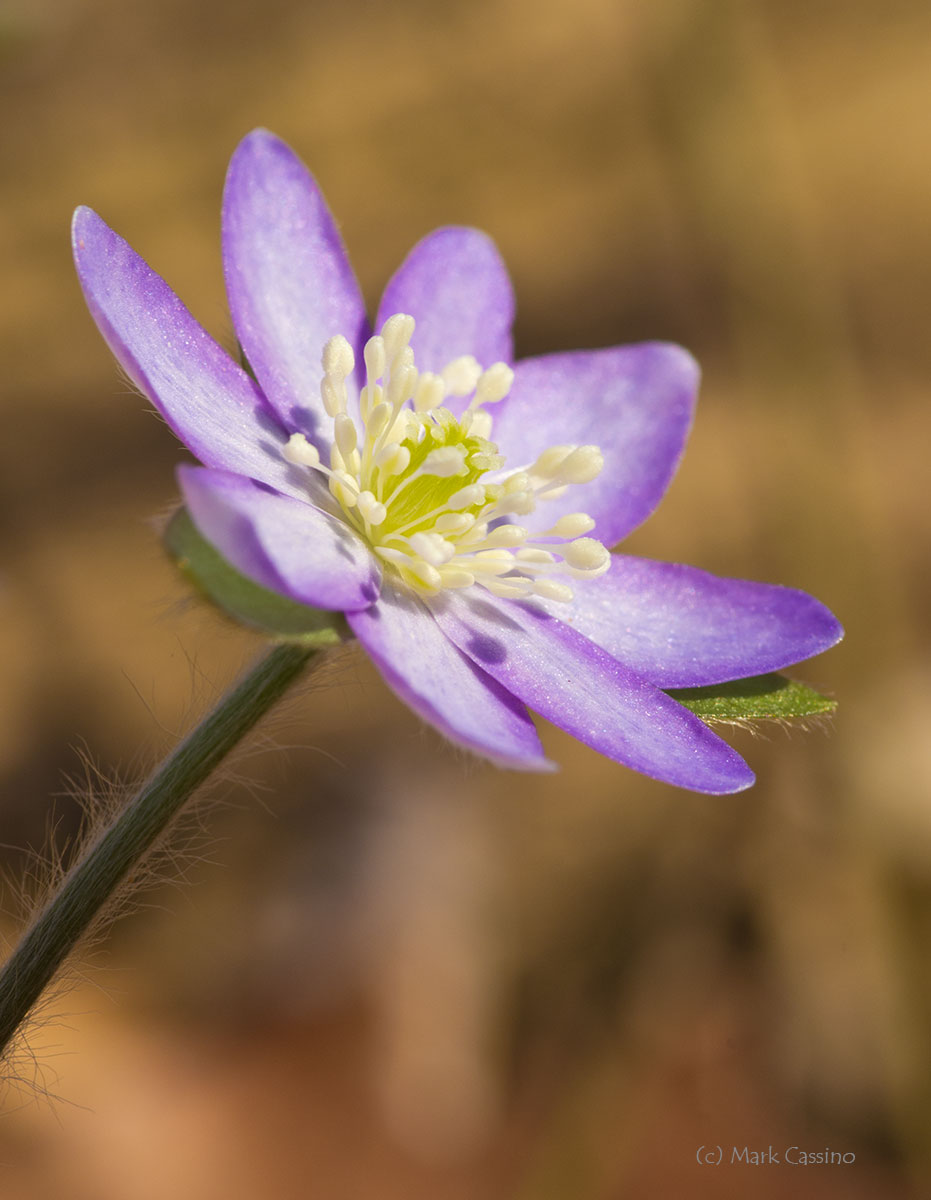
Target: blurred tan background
394,972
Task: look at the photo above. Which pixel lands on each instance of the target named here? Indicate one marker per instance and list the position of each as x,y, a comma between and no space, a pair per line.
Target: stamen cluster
428,490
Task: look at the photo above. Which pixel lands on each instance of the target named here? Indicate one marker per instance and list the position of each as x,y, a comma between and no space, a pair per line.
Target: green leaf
756,698
247,602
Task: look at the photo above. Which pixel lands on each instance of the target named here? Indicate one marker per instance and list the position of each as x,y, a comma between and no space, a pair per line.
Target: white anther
371,509
371,395
345,490
549,589
486,462
493,385
401,386
346,435
453,523
375,358
519,504
583,465
333,394
423,573
474,493
518,482
506,536
432,548
403,426
429,393
456,577
338,358
509,589
389,554
461,375
548,464
378,420
299,451
396,333
393,459
445,462
479,422
531,554
572,525
585,554
492,562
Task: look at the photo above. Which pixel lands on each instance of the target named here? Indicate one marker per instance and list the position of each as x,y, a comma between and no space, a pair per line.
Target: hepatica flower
454,505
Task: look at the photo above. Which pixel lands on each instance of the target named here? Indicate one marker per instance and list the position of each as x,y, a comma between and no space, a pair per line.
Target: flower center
428,490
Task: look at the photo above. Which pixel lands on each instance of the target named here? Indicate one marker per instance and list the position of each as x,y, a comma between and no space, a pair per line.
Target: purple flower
366,474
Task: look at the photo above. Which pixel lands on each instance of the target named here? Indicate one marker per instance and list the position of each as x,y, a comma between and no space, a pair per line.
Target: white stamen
509,589
493,385
371,509
585,554
584,464
433,539
551,589
506,536
301,452
402,386
572,525
346,435
370,397
445,462
393,459
375,358
453,523
548,464
466,497
430,392
479,422
396,334
425,573
456,577
461,375
432,548
338,358
378,420
492,562
333,394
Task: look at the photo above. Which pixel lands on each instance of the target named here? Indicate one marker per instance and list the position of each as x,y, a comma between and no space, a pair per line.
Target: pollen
430,492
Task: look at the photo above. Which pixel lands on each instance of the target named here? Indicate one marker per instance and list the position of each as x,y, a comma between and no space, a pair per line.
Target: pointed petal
209,402
456,287
635,402
579,687
288,278
678,626
282,543
442,686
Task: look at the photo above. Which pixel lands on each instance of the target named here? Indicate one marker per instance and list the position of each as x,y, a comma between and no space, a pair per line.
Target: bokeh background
391,971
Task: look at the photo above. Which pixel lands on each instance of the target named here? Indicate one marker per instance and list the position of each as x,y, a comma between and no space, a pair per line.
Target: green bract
758,697
282,619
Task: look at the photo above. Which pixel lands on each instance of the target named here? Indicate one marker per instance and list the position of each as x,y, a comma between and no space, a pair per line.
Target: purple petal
209,402
288,279
443,686
456,287
283,544
579,687
635,402
678,626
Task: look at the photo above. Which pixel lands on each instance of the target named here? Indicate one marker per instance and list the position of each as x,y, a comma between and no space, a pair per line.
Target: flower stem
94,877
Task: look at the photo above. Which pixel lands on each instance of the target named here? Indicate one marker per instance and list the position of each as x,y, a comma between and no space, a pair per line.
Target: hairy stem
123,843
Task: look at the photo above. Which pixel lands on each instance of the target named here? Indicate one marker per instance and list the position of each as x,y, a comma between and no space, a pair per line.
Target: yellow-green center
427,488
